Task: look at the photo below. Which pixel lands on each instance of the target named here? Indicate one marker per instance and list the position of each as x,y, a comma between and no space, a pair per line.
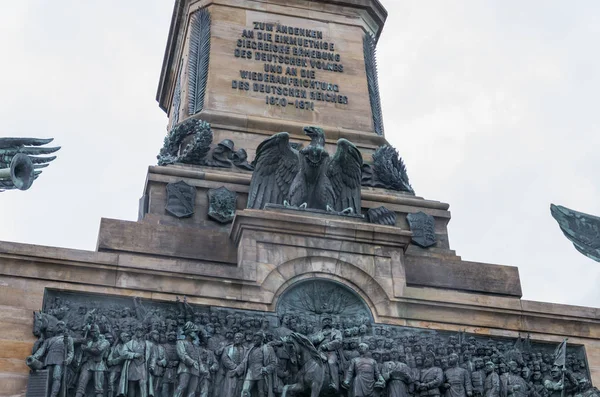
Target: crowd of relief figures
105,346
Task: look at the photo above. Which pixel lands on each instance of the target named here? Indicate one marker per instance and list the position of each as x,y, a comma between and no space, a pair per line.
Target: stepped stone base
251,262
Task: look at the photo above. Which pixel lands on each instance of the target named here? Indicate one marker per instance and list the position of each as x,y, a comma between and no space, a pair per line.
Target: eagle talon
286,203
303,206
330,209
348,211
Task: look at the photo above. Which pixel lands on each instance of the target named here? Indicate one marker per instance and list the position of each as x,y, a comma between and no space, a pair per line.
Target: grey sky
493,106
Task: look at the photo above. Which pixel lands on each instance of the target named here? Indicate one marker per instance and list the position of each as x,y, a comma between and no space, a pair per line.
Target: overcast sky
492,104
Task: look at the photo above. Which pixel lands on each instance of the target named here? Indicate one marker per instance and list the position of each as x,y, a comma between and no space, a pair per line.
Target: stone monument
280,248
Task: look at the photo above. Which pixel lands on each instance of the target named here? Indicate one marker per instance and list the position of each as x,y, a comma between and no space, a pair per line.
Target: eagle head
316,134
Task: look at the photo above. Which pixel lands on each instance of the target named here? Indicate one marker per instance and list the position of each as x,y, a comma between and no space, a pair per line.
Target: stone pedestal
321,61
278,248
277,270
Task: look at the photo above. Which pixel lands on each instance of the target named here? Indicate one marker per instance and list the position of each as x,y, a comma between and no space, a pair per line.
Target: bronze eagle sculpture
309,177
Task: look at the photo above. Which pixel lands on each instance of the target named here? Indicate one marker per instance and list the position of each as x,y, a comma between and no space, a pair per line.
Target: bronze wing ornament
344,172
583,230
275,166
21,160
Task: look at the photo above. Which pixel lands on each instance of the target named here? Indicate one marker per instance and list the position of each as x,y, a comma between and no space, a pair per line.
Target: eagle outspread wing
581,229
31,147
344,172
275,166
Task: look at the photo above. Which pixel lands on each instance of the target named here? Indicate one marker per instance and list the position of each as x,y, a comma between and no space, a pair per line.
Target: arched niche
314,298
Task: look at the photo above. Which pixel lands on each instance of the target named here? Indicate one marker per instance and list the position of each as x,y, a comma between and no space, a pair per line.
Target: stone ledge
463,276
243,178
490,321
60,254
267,127
307,224
418,305
555,309
167,241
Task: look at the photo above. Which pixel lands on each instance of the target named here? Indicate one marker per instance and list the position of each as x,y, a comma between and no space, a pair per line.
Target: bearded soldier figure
478,377
208,366
363,375
190,363
169,379
135,369
115,361
398,376
556,384
55,359
492,381
231,360
586,389
430,378
517,387
259,365
157,364
329,341
457,381
93,362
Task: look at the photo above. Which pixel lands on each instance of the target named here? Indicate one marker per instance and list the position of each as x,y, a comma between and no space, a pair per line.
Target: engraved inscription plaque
295,66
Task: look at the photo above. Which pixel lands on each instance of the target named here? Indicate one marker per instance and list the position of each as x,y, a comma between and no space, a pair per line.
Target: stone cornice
419,307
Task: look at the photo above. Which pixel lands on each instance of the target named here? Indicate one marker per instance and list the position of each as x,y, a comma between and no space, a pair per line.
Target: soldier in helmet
221,156
55,357
240,160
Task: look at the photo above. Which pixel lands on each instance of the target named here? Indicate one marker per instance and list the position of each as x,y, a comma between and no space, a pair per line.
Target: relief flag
560,354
